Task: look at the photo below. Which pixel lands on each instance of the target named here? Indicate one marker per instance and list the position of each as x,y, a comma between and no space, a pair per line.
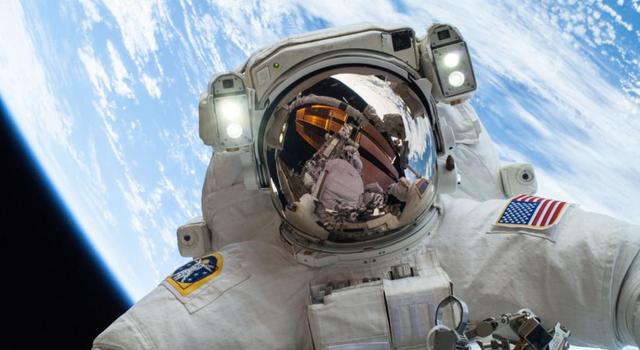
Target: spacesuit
359,223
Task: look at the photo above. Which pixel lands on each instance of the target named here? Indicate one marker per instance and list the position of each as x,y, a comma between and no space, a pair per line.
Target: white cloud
24,84
138,26
528,118
92,14
95,168
148,248
252,24
151,85
98,76
177,193
378,12
200,31
102,86
120,74
615,15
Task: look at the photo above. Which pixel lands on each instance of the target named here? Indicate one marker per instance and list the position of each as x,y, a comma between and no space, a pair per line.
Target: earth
104,95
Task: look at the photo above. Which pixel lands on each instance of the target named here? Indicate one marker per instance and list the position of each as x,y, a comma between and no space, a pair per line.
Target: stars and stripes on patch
195,273
421,185
524,211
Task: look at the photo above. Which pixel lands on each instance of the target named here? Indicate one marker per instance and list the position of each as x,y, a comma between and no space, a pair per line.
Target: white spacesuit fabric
628,309
475,156
338,320
586,278
477,162
231,212
379,313
254,301
265,310
574,280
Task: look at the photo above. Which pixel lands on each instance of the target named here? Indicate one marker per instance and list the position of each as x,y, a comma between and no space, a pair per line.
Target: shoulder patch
196,273
531,212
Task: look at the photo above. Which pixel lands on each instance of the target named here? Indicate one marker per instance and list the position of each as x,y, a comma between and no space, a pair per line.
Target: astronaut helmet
340,126
351,161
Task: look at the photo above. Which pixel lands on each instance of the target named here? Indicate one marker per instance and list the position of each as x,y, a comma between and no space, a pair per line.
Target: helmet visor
354,158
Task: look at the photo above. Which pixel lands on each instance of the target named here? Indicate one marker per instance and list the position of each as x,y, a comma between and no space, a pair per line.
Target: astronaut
352,190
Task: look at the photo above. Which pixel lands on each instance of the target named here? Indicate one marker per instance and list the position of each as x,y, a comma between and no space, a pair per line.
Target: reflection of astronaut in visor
351,162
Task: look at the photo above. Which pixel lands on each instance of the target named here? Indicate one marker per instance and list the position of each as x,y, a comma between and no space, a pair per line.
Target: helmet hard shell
341,126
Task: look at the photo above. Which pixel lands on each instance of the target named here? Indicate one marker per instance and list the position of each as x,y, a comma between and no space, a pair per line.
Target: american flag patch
531,212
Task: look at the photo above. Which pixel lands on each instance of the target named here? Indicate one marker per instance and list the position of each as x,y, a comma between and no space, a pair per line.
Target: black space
55,293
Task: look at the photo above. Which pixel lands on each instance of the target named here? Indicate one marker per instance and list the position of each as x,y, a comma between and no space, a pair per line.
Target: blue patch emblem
196,273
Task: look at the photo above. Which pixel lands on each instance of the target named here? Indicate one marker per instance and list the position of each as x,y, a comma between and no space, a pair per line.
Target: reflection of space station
349,158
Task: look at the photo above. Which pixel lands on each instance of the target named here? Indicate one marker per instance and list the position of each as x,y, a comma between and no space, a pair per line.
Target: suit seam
146,339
